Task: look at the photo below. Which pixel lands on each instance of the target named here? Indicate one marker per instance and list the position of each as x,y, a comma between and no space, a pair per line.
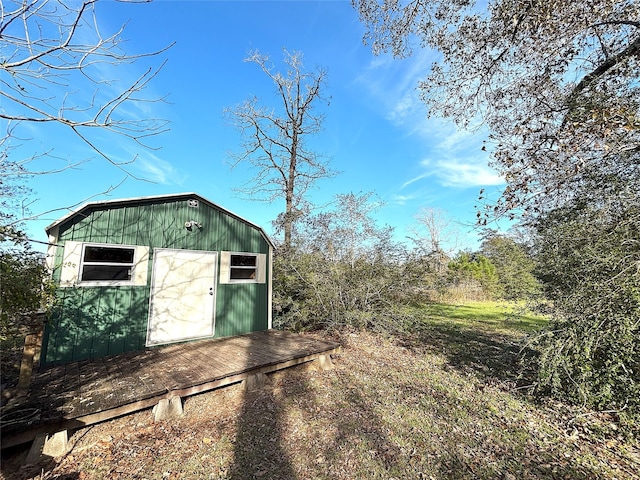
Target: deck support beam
324,362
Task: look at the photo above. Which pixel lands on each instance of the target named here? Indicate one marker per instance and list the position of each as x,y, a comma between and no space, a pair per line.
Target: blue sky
376,132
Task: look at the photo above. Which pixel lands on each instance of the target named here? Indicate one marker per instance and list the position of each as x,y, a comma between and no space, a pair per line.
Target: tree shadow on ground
362,430
433,432
260,446
285,430
258,450
490,356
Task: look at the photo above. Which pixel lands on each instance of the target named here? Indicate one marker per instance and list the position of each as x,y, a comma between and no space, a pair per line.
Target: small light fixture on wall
190,225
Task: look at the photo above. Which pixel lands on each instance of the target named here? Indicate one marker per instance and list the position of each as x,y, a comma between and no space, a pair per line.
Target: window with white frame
241,267
96,264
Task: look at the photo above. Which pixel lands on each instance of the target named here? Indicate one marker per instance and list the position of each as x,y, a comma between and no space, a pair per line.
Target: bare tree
57,68
275,142
436,236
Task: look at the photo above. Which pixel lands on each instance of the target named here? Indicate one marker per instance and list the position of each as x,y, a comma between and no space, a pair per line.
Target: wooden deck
82,393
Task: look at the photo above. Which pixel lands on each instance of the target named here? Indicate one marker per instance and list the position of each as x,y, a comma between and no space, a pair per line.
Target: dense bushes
589,260
345,270
312,292
474,272
514,267
502,269
23,285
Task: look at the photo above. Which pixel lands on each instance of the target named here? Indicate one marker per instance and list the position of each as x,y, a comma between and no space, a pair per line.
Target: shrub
589,253
24,288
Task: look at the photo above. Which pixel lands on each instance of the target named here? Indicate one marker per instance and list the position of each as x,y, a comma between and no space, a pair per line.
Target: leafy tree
588,254
555,82
274,143
466,267
514,267
23,286
348,231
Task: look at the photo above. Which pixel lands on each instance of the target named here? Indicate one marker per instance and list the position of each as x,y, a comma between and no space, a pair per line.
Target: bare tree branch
57,68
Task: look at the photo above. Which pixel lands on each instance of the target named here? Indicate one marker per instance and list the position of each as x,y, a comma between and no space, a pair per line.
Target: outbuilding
136,273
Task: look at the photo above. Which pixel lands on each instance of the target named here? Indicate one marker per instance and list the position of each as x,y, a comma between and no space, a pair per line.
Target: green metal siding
95,322
162,225
241,308
92,322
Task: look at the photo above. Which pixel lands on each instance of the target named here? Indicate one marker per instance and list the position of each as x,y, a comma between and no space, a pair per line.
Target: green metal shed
140,272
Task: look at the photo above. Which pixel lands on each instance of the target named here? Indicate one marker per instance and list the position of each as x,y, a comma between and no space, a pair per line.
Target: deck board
81,393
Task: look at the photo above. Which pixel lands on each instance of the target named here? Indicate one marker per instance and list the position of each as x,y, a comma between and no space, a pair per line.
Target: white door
182,299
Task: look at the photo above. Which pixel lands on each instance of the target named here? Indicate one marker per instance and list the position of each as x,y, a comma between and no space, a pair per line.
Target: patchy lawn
505,317
441,403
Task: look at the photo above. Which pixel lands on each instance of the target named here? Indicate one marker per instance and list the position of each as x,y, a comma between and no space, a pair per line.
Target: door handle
211,291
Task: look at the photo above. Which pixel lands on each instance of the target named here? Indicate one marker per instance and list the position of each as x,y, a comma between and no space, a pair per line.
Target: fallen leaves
386,411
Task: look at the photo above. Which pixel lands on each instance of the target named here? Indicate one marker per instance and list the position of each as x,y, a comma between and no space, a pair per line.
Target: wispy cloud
156,170
403,199
457,159
415,179
451,156
393,83
408,107
461,173
420,196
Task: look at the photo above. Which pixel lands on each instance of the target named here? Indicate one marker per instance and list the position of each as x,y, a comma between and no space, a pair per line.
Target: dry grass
438,404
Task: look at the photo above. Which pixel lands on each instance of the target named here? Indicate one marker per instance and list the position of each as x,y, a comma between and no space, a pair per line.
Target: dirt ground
387,411
221,405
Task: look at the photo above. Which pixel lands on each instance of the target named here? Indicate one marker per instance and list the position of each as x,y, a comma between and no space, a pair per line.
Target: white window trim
71,273
225,268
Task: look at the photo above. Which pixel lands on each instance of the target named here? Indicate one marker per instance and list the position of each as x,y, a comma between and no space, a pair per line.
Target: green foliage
514,267
467,267
311,292
592,361
589,254
23,286
345,271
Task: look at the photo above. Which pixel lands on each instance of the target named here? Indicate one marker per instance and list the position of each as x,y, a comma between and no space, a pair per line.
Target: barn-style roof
170,197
